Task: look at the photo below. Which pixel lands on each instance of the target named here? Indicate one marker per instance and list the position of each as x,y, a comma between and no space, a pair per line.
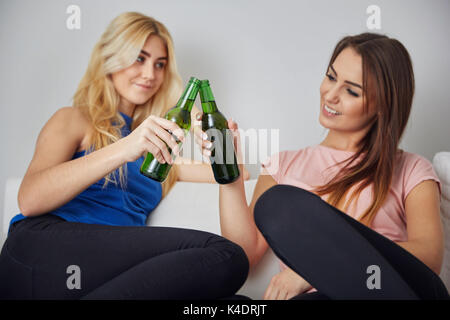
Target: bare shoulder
74,122
71,116
59,139
425,191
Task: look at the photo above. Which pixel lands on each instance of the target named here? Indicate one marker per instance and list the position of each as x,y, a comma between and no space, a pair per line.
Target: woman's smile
330,112
143,86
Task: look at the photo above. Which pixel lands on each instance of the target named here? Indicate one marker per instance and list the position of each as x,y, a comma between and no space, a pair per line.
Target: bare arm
237,221
53,179
236,216
194,171
424,226
197,171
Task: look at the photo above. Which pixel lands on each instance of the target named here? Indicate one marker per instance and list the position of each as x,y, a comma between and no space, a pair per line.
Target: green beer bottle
181,115
223,157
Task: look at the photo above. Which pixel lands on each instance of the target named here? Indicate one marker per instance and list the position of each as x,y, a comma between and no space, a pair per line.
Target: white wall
265,60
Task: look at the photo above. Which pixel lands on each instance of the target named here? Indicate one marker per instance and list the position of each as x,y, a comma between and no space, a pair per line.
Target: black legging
117,262
332,251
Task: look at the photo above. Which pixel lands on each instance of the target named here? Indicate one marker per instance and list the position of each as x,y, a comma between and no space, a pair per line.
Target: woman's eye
353,93
330,77
160,65
140,59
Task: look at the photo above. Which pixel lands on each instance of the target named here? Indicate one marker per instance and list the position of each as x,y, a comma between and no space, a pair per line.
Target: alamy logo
374,281
374,20
74,280
73,22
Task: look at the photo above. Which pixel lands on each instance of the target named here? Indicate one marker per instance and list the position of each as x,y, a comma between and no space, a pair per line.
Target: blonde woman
84,203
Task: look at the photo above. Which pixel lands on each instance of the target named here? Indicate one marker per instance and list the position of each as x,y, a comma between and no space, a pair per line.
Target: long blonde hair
96,97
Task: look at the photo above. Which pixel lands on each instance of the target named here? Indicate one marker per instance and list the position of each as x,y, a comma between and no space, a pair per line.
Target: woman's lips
143,86
330,114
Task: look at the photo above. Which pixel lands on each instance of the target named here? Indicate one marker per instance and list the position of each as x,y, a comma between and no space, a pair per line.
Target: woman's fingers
161,149
164,135
201,139
199,133
205,146
232,125
271,293
153,149
170,126
283,295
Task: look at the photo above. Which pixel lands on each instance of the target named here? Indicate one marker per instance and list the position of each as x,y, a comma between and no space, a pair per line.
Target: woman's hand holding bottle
153,135
205,145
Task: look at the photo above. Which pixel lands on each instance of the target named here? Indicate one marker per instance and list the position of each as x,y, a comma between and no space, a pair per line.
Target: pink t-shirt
314,166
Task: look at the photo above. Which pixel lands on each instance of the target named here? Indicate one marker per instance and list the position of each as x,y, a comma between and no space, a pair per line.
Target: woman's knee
230,263
15,277
278,205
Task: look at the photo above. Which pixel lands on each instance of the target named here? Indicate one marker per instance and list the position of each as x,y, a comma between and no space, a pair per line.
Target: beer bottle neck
208,101
188,97
186,104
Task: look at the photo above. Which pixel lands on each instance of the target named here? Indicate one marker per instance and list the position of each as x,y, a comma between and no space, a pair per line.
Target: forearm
194,171
430,255
236,219
49,189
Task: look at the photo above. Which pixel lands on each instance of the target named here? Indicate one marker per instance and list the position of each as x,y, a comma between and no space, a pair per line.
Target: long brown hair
388,86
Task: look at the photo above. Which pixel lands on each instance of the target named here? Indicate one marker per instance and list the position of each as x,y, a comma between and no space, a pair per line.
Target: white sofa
195,206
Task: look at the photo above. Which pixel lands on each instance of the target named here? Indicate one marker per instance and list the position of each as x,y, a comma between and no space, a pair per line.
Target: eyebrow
145,53
346,81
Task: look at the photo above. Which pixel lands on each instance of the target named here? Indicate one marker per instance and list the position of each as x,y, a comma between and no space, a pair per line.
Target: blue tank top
113,205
